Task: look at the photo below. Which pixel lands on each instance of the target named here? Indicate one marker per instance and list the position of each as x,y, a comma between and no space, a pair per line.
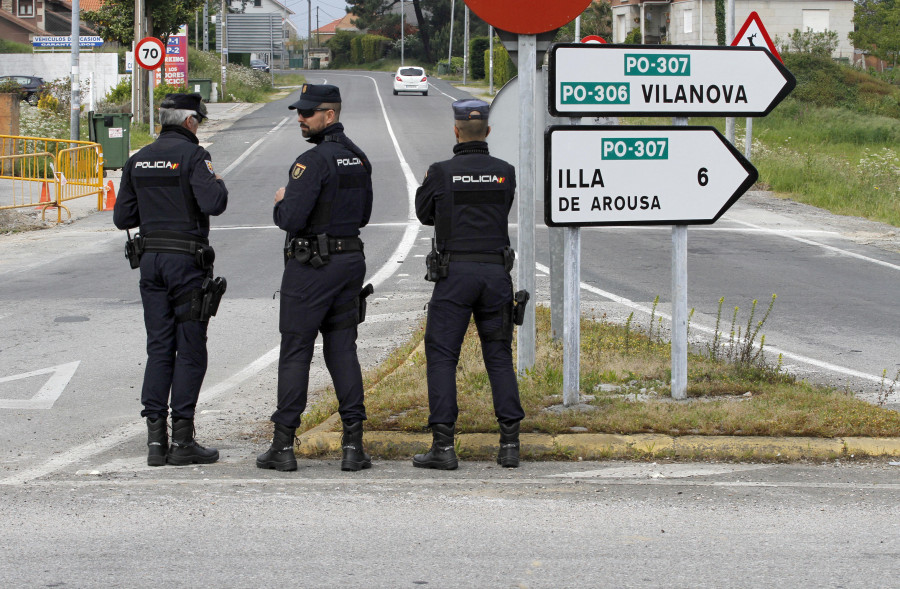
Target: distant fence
43,172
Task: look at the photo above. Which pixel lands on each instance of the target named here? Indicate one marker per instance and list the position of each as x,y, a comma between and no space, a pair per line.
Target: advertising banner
176,63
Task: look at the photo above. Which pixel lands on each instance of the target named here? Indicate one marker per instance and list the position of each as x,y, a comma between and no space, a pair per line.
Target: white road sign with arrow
641,175
680,80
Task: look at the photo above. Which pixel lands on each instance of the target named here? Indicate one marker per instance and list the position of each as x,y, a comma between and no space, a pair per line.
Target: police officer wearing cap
327,199
169,190
467,199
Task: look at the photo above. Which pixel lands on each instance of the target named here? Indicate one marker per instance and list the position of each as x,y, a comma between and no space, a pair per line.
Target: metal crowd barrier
44,172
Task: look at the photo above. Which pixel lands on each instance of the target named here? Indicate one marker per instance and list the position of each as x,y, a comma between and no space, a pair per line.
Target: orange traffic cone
110,197
45,197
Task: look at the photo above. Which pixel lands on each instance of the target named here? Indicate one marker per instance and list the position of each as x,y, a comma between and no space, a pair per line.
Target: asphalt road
79,508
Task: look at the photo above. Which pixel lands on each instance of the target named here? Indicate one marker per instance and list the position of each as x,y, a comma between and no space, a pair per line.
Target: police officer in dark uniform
327,199
169,190
467,199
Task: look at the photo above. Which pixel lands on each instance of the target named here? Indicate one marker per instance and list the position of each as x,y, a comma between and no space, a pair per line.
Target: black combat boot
354,457
157,441
185,449
509,445
280,454
442,456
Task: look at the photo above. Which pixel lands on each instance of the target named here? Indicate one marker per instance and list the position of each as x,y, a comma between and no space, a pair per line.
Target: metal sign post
527,53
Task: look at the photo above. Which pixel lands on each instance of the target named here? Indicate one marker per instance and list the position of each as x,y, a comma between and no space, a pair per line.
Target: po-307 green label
630,148
657,64
595,93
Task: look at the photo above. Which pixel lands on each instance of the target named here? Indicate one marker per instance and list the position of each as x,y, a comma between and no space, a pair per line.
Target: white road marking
823,246
49,393
256,144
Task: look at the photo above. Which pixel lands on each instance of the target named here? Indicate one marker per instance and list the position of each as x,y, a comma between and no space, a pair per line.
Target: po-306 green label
630,148
595,93
657,64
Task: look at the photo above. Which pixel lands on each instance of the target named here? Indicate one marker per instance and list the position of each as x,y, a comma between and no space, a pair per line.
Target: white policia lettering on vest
482,178
156,165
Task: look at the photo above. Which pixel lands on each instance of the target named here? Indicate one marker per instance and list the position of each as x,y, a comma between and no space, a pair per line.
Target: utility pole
402,35
223,50
450,50
138,88
74,122
308,31
206,26
317,27
466,56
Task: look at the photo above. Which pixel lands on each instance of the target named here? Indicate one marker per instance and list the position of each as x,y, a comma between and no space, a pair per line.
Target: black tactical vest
473,215
161,178
341,205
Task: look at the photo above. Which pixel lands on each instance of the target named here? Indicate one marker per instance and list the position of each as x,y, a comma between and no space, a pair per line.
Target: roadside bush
13,47
504,68
633,37
340,45
478,49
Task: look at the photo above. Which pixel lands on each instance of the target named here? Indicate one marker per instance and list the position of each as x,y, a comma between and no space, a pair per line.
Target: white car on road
410,79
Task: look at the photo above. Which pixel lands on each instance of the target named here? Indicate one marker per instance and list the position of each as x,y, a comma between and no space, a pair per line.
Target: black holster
212,291
134,249
509,258
204,300
520,300
437,265
363,295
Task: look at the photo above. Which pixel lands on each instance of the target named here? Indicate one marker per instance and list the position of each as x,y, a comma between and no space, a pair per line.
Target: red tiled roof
344,23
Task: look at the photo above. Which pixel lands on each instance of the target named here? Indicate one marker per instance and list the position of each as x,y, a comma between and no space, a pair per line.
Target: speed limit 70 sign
149,53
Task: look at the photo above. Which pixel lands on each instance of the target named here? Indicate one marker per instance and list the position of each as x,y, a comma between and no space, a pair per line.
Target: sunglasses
308,112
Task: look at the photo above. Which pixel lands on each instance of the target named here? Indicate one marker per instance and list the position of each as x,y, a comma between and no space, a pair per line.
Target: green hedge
478,48
504,68
368,48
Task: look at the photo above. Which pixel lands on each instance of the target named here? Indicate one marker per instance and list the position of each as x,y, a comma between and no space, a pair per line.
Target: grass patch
625,374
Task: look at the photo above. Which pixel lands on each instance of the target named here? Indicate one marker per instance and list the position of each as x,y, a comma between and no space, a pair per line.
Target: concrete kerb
319,442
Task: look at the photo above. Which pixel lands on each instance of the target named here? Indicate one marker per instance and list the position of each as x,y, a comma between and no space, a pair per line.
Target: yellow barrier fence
45,172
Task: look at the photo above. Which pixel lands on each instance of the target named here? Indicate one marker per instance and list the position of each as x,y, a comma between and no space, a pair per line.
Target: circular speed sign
149,53
527,17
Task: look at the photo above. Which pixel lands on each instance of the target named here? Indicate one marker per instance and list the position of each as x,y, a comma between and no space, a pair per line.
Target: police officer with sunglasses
327,199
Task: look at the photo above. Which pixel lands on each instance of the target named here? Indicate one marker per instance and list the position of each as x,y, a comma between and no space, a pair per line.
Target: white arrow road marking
49,393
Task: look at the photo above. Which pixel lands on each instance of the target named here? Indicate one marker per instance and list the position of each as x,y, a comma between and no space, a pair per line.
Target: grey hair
174,116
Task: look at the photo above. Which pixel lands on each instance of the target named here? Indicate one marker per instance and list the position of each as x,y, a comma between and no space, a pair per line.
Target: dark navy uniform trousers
485,290
176,351
309,298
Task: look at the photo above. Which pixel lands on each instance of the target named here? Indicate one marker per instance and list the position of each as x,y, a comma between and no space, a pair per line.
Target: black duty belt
487,258
172,242
313,245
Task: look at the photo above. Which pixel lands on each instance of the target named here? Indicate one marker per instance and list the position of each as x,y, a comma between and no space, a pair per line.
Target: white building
693,22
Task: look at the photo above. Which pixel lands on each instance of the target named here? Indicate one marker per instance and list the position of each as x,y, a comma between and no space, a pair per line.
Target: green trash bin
113,133
201,85
314,63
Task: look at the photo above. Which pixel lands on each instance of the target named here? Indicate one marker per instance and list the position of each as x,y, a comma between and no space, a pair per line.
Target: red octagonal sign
527,17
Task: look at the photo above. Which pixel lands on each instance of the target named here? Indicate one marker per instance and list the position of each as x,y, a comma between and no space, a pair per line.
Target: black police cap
312,95
471,109
191,101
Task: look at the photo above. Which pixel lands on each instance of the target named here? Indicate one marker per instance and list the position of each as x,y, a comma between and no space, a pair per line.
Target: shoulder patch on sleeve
297,171
209,166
